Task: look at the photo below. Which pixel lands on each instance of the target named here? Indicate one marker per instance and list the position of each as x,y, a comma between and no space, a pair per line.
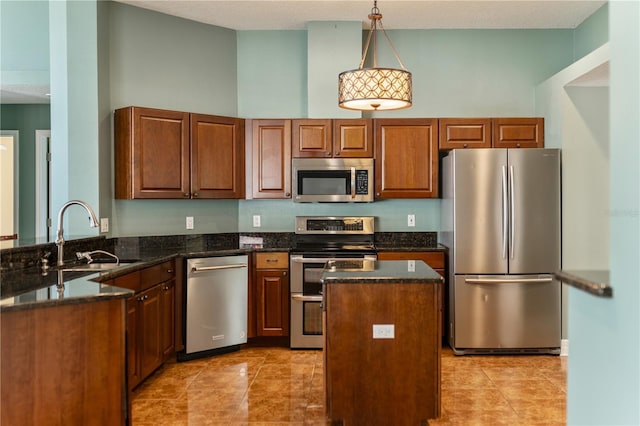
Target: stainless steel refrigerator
501,223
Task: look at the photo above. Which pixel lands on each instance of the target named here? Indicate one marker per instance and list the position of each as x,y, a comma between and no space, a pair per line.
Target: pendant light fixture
375,89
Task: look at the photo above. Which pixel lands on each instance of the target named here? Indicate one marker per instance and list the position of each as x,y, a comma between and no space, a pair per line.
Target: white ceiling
397,14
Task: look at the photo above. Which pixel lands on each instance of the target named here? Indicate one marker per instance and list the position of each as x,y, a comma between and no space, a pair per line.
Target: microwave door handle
353,182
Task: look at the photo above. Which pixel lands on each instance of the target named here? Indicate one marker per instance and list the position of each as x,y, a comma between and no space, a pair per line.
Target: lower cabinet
150,319
272,294
436,260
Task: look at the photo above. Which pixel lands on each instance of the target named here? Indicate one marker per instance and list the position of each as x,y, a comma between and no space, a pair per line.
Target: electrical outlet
383,331
104,224
189,222
411,220
256,221
411,265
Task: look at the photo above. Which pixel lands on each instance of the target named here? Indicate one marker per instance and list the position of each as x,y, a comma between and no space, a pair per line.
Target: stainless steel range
319,239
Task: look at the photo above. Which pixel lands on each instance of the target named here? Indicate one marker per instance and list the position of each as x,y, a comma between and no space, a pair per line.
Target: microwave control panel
362,182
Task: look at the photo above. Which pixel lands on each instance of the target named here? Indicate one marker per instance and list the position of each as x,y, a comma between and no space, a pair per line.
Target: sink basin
94,267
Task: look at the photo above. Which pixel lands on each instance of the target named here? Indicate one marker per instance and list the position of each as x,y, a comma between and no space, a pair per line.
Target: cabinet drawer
279,260
435,259
157,274
130,281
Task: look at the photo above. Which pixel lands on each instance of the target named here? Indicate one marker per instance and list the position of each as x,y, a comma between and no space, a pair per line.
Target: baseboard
564,347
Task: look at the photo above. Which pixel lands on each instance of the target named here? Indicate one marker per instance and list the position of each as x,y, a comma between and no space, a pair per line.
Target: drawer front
275,260
435,259
130,281
157,274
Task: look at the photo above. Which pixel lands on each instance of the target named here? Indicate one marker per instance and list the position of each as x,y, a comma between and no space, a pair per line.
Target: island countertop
379,272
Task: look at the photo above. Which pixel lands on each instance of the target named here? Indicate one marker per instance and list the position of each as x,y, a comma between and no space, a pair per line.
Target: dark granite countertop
380,272
382,247
595,282
75,288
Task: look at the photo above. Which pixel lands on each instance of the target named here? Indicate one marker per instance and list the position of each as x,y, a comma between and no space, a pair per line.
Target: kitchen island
382,342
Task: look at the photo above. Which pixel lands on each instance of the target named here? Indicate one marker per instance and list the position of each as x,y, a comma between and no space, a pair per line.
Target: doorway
8,188
43,190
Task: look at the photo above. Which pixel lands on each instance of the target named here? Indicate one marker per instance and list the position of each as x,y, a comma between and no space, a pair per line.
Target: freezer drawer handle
217,268
506,281
302,298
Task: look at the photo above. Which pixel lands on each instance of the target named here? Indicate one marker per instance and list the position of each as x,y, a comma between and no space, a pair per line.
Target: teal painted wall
26,118
24,42
592,33
605,333
272,74
160,61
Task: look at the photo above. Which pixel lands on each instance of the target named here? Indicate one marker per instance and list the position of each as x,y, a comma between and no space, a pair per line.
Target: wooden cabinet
406,158
271,159
162,154
525,132
344,138
150,319
272,294
436,260
518,132
64,364
455,133
397,379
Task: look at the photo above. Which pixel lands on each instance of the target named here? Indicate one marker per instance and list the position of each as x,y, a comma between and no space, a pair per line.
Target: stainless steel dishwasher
216,305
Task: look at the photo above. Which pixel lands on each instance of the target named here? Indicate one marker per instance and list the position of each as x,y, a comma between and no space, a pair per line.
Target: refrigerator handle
505,215
512,213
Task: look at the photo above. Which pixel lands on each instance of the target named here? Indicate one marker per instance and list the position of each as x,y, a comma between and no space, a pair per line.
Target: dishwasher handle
217,268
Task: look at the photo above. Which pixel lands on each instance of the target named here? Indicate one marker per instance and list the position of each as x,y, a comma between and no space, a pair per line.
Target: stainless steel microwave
332,180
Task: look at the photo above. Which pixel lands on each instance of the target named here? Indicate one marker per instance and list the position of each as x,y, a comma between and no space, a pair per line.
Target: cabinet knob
287,194
518,145
186,195
195,195
284,273
169,271
328,154
272,260
465,145
337,154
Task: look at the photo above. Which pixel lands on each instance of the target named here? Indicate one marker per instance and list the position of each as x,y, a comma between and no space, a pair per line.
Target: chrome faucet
93,222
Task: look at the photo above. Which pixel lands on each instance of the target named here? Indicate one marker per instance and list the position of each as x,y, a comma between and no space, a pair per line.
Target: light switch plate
189,222
411,265
104,224
411,220
256,221
384,331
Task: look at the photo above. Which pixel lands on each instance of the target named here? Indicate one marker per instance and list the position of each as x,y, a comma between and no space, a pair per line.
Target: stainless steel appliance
332,179
501,222
318,240
216,305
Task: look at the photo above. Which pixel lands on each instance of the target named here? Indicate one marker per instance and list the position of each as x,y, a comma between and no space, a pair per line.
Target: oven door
306,321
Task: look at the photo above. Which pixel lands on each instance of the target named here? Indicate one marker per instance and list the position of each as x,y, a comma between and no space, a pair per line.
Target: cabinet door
457,133
149,315
151,153
311,138
353,138
406,158
273,303
518,132
271,158
217,157
167,314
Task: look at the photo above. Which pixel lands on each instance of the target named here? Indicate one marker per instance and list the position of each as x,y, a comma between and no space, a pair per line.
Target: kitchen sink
94,267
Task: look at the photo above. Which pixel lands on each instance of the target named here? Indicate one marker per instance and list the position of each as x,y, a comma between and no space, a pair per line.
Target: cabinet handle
287,194
284,273
465,145
337,154
169,271
272,260
186,195
195,195
328,154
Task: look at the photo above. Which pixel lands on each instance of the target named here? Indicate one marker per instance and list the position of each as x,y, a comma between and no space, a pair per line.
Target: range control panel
334,225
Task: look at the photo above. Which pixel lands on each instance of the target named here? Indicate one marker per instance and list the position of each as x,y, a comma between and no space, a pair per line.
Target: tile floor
270,386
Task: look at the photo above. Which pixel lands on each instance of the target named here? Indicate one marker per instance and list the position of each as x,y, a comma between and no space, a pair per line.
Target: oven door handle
327,259
302,298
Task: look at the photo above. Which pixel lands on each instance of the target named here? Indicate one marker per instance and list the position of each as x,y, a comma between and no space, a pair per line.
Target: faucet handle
84,255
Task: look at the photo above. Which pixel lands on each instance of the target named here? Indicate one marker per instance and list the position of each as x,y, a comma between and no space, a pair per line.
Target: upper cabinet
161,154
349,138
518,132
457,133
271,159
406,158
464,133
